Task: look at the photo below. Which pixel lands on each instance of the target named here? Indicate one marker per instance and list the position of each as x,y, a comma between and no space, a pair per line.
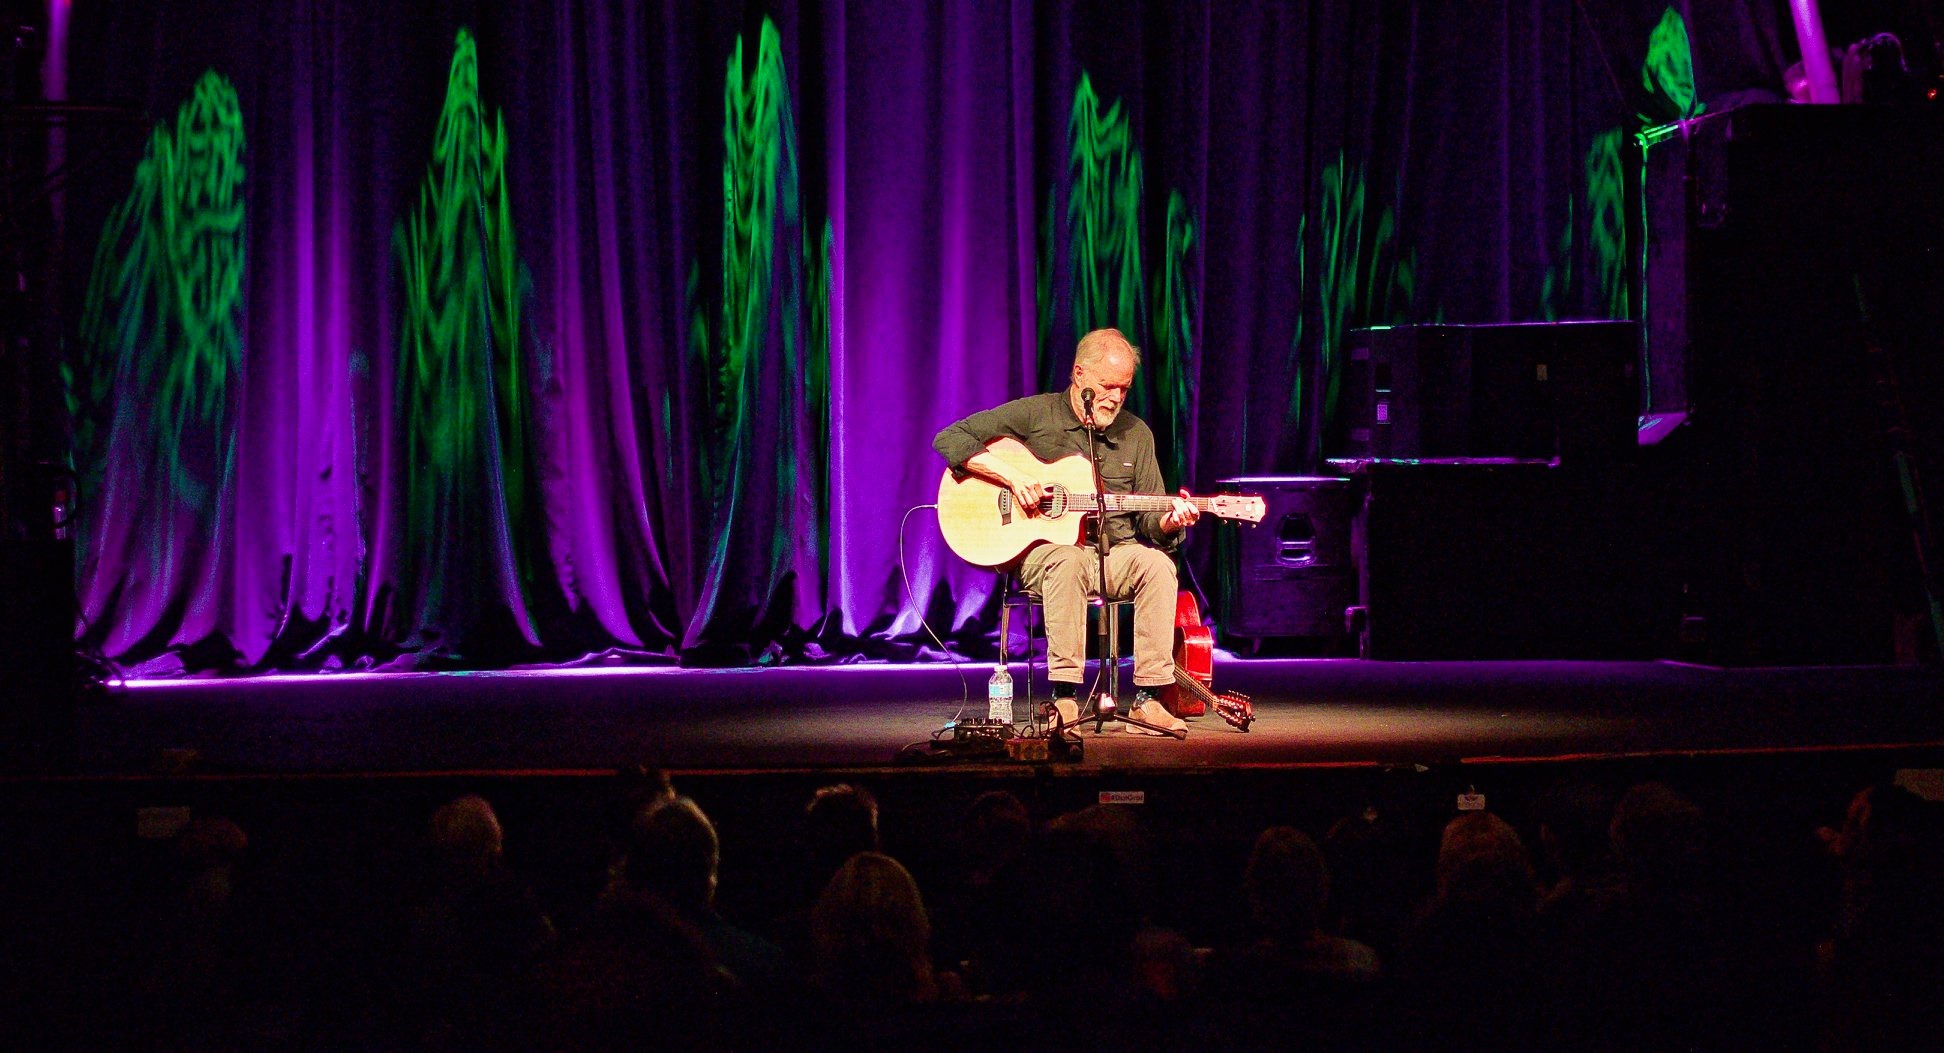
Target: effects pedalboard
982,738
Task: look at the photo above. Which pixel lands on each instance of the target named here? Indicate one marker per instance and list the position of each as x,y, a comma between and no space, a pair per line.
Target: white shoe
1152,712
1068,710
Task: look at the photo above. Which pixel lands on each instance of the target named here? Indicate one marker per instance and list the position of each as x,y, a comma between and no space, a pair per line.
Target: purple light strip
228,683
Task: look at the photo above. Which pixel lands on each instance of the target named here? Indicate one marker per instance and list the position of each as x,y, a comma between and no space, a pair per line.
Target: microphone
1086,402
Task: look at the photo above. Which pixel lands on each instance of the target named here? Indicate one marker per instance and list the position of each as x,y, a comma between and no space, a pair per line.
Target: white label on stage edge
1123,797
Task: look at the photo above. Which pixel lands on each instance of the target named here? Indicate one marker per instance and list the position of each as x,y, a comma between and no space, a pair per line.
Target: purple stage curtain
756,255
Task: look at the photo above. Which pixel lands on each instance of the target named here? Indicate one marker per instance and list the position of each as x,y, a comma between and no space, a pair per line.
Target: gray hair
1097,344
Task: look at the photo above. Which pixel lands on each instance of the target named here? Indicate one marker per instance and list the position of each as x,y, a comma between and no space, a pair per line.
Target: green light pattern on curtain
1606,236
771,292
1668,72
1606,194
1297,375
1363,279
698,349
756,133
816,372
759,137
159,334
461,373
1172,347
1108,283
1341,229
1103,216
1557,285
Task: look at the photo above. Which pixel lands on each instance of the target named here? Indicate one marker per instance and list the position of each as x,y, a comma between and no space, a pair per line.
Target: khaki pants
1064,576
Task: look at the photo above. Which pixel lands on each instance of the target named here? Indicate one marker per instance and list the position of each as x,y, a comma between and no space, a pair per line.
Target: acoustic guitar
1193,692
985,526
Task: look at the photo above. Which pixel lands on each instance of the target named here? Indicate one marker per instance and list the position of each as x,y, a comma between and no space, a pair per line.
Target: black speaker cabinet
1292,574
1794,290
1536,391
1749,209
37,654
1512,560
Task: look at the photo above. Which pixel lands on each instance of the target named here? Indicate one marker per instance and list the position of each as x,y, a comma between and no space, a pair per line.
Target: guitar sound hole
1054,505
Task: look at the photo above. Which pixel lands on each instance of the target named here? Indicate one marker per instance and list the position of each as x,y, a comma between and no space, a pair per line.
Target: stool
1013,593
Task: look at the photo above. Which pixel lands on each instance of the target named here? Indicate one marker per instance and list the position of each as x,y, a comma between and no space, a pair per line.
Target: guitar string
1084,502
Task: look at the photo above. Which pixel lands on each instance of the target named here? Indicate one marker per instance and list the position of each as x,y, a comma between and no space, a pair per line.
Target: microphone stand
1103,704
1107,681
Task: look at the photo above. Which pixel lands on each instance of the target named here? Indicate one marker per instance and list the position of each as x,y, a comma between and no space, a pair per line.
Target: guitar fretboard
1084,502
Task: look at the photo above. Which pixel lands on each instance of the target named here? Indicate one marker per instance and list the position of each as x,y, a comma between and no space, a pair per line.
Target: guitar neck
1085,502
1195,687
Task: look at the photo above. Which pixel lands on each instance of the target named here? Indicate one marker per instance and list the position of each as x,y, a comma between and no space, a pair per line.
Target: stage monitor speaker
1510,560
1292,574
1526,390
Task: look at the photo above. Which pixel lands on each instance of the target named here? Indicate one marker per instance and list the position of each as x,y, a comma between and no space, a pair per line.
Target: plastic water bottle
999,696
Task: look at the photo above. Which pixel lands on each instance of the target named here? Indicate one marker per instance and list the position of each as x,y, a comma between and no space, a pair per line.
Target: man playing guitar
1140,564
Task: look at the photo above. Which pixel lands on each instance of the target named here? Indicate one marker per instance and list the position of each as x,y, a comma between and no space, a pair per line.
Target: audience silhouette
1636,928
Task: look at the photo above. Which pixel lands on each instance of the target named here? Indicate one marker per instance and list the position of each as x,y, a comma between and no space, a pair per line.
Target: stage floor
1310,712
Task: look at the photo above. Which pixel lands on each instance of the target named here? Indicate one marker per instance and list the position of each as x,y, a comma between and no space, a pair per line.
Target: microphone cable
958,664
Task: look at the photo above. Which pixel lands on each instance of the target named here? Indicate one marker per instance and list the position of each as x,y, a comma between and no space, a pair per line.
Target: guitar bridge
1005,507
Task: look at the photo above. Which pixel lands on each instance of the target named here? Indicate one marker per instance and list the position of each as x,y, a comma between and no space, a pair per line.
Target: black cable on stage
965,689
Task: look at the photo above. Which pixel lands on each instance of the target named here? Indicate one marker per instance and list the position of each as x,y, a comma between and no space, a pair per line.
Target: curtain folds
514,332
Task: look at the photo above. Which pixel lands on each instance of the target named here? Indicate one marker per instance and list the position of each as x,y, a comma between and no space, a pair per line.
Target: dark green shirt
1047,426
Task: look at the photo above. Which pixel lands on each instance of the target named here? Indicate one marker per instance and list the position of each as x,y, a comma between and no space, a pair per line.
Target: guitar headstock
1247,508
1236,709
